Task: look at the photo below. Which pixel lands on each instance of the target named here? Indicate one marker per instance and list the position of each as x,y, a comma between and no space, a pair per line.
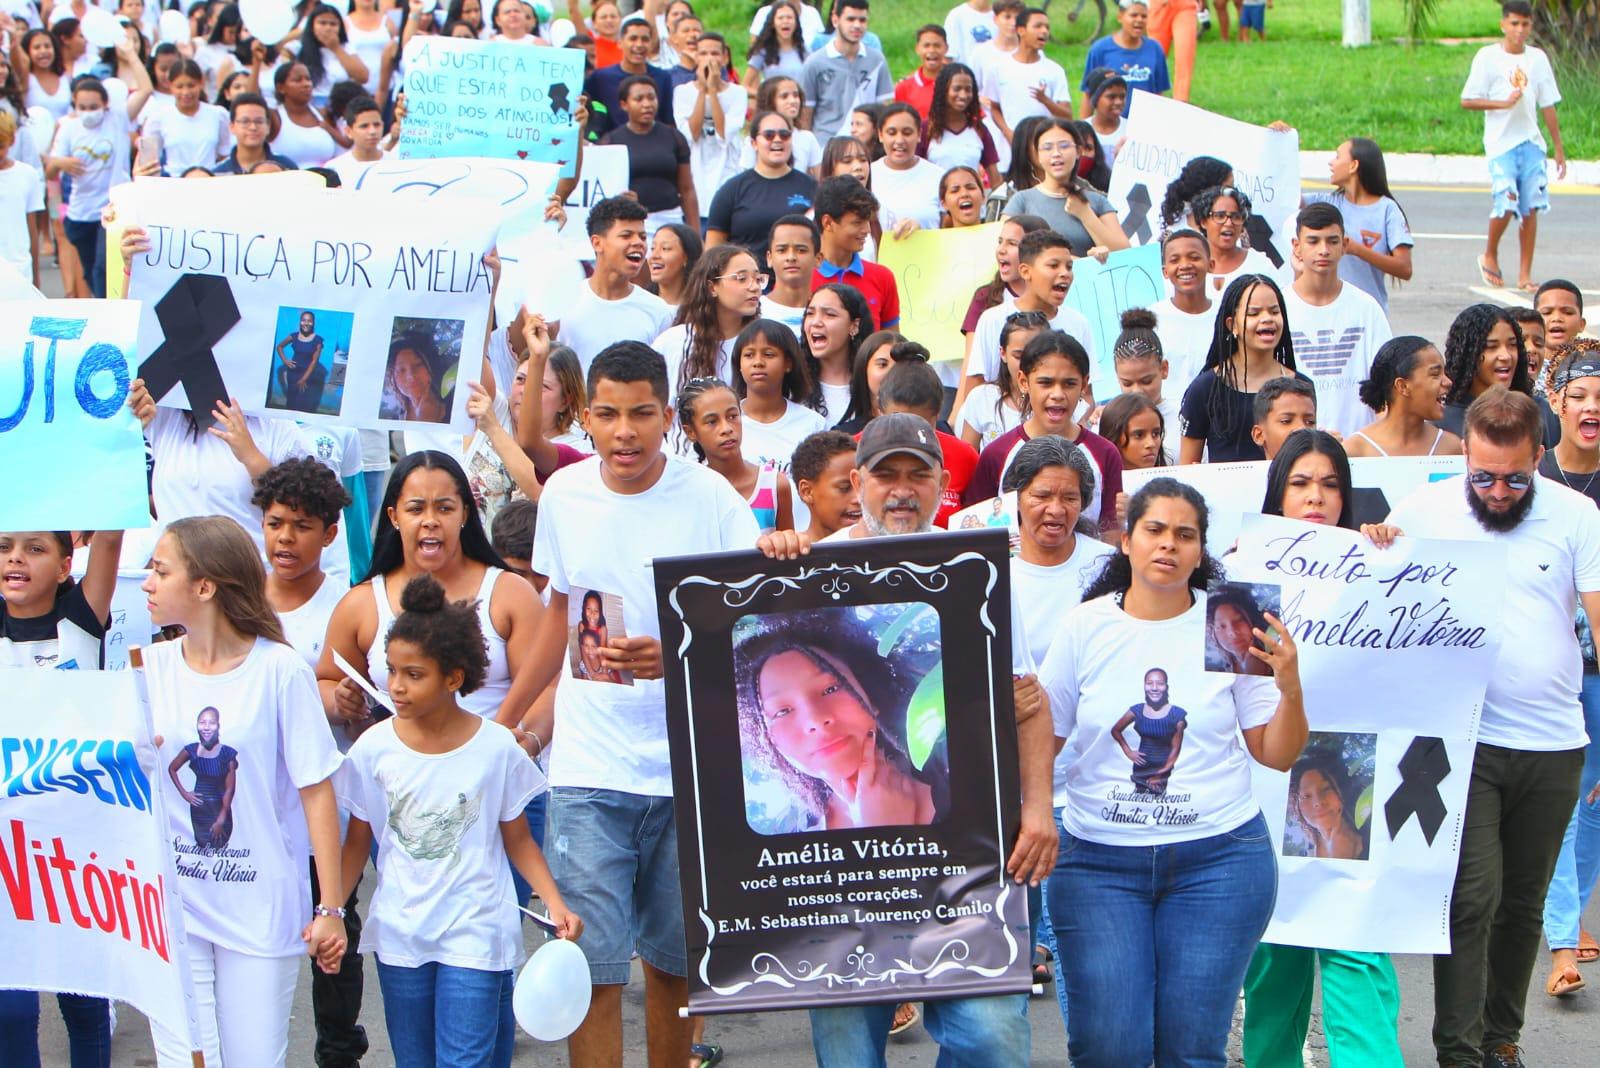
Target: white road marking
1450,237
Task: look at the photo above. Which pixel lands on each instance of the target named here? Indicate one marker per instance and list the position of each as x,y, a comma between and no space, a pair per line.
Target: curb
1418,168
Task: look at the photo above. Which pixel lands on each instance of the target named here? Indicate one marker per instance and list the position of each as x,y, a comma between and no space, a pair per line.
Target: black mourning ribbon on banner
1260,232
195,314
1137,221
1422,769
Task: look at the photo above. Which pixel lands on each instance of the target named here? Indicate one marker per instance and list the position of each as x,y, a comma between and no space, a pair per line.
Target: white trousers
243,1004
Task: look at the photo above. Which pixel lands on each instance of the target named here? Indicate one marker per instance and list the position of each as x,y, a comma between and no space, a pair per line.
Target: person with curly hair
1485,348
954,134
1221,213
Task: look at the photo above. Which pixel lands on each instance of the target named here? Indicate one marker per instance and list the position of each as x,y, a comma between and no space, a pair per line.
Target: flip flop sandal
1588,949
1490,278
1041,965
909,1022
1567,982
708,1053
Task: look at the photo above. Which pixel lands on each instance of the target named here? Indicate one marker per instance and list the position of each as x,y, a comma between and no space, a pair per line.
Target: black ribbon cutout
195,314
1260,232
1422,769
1137,221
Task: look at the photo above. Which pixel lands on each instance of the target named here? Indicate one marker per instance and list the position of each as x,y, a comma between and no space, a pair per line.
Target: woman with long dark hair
993,408
234,670
218,54
1092,166
779,50
302,131
1135,647
674,250
1309,480
784,95
323,47
836,317
1074,210
1360,181
722,295
954,134
1022,172
1485,348
1250,347
1407,387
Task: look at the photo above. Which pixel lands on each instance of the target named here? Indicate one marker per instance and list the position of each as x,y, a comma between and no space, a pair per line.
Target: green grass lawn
1403,97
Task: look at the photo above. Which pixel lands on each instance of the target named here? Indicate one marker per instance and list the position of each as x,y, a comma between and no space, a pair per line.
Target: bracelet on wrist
329,910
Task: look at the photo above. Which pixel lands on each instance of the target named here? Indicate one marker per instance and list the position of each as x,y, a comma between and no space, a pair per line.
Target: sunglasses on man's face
1516,482
777,135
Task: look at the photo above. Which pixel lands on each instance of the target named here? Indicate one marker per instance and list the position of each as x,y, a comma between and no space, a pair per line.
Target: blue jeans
89,238
534,814
88,1023
1155,941
445,1017
1578,864
971,1033
1048,930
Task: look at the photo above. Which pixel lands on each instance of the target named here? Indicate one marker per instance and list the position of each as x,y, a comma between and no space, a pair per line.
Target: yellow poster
938,271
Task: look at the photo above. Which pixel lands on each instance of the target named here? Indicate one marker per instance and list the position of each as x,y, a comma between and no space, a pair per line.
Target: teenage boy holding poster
614,841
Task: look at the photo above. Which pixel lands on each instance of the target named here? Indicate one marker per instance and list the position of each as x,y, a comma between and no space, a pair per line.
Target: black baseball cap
900,432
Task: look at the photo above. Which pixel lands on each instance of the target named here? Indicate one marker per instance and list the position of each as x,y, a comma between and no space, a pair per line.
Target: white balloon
551,997
428,7
173,27
101,28
269,21
561,32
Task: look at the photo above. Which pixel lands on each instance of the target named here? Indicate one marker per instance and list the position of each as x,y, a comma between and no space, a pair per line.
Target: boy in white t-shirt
1513,84
615,852
1044,260
364,120
967,26
1027,82
610,308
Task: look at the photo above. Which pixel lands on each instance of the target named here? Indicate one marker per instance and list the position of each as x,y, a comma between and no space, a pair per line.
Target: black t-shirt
1455,421
605,110
1196,416
748,204
653,160
68,636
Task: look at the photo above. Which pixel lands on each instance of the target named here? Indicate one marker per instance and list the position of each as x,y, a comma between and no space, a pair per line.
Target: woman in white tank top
428,525
304,133
1406,387
369,33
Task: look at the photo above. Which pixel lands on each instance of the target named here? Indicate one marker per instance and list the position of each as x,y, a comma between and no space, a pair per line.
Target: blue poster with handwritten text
491,98
72,447
1101,292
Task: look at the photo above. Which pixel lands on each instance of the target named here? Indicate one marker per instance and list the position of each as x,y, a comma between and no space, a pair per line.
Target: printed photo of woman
1326,818
1234,611
1159,724
215,767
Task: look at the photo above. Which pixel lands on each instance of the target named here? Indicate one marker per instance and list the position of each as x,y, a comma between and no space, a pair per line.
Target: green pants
1360,1007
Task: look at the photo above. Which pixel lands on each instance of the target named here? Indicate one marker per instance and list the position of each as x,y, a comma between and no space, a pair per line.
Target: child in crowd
1281,407
1044,263
709,415
774,386
511,535
821,471
1134,424
993,408
1141,364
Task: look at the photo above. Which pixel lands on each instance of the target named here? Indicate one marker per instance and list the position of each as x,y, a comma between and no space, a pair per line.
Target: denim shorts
1517,181
1253,17
614,857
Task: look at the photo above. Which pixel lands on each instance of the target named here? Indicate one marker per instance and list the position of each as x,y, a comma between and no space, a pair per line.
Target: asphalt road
1448,223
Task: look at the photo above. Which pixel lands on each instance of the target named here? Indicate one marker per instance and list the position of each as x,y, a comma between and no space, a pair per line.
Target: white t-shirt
774,443
1041,595
349,169
964,149
244,884
198,140
1551,557
1495,72
793,318
21,191
984,359
595,323
673,344
985,412
713,159
612,737
909,194
1185,341
306,627
836,401
105,151
196,473
966,28
1255,262
1335,344
444,891
1010,84
1094,675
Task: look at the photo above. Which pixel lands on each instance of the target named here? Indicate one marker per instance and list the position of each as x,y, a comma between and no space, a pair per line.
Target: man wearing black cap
1128,52
900,474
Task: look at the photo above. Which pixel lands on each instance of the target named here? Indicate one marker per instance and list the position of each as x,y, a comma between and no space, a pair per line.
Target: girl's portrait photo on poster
841,718
1330,797
215,768
594,620
419,381
1234,611
310,352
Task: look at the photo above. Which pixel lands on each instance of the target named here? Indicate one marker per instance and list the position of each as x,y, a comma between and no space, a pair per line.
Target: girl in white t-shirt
1221,213
773,386
906,185
1162,844
722,295
712,424
193,133
444,792
994,408
248,762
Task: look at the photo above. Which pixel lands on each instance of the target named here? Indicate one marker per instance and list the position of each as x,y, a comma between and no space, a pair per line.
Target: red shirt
871,280
960,459
917,91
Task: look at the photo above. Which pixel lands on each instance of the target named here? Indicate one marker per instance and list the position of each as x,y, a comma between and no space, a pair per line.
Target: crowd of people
370,639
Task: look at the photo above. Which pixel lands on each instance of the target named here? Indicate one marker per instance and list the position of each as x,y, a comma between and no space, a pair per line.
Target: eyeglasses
1227,216
249,122
1516,482
776,135
744,278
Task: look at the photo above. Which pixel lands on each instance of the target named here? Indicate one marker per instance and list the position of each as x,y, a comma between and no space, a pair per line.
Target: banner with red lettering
91,902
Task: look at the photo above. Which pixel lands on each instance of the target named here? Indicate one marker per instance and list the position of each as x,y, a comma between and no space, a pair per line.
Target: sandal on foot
1041,965
709,1054
1563,981
1491,277
1588,949
906,1016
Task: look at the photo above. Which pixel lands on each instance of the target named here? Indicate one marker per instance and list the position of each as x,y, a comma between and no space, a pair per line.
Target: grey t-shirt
834,85
1053,210
1381,227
